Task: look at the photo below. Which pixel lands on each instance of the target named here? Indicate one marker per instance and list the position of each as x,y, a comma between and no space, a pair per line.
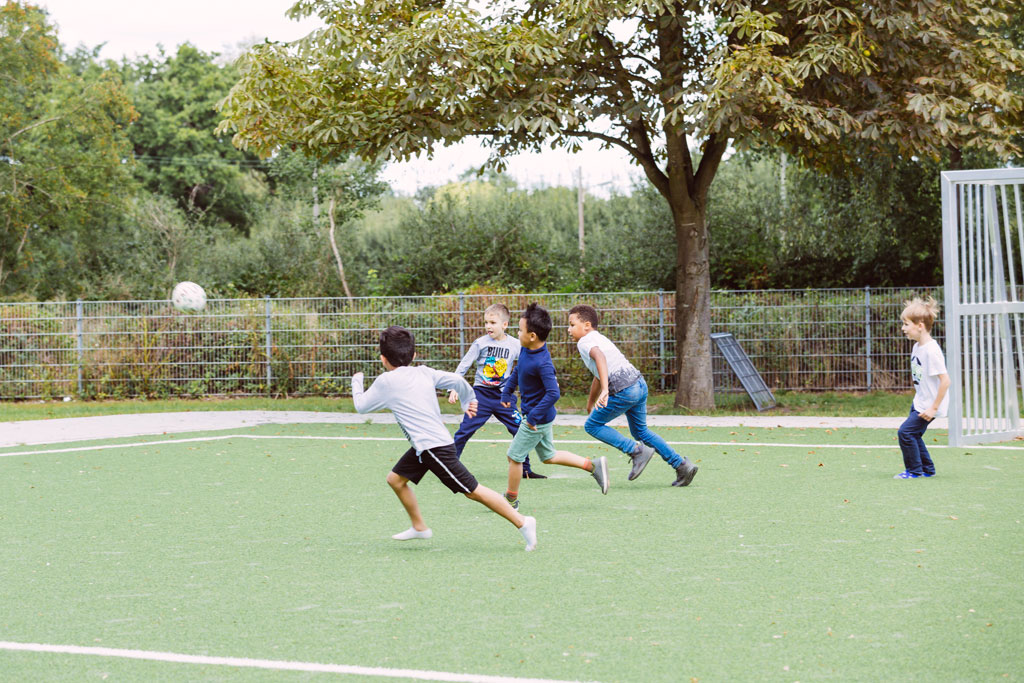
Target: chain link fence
821,339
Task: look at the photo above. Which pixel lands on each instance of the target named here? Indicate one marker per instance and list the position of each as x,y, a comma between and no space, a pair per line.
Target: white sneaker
411,533
529,532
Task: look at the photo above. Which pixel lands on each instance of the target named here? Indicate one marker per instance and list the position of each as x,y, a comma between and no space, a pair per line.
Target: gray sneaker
640,460
685,473
600,473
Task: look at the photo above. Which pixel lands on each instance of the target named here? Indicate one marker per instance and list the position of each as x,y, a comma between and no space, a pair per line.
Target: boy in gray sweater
411,394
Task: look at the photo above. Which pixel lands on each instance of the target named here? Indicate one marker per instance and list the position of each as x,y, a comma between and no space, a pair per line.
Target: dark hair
537,321
585,313
397,345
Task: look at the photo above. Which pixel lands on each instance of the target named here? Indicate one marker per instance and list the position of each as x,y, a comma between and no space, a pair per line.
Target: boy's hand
453,396
602,399
529,426
471,408
506,405
928,415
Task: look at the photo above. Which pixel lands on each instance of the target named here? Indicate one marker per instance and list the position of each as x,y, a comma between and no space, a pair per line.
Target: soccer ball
188,297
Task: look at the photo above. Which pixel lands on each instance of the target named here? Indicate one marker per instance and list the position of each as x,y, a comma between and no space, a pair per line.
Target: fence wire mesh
823,339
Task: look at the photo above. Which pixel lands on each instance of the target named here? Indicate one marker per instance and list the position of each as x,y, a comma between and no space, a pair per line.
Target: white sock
411,533
529,532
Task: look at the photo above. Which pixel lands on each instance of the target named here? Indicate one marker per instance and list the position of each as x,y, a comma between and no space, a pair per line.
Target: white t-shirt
621,372
411,394
926,364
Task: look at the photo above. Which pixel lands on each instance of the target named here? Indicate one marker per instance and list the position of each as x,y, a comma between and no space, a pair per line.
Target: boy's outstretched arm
464,364
366,401
458,384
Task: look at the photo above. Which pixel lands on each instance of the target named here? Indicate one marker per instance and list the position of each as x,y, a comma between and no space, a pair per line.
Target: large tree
178,155
62,158
672,83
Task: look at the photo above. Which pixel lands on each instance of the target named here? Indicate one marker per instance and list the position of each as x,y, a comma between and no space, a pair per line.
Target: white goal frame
981,224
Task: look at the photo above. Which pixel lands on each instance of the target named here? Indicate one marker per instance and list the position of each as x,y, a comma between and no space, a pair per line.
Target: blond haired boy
931,386
495,355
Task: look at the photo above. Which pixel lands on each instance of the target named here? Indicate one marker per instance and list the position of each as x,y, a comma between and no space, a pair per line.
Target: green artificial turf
789,563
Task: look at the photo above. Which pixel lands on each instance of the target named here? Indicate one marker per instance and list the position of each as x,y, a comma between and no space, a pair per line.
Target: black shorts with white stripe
442,461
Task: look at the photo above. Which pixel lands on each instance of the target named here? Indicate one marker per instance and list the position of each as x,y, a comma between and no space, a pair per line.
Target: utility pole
316,200
782,182
579,208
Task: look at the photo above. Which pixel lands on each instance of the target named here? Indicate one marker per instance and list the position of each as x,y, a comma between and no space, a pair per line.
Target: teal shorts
527,439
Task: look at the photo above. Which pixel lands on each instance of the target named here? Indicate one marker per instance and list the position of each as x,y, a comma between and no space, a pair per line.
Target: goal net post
983,264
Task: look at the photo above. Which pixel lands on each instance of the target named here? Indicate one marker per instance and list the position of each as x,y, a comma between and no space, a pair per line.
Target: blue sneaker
907,475
929,474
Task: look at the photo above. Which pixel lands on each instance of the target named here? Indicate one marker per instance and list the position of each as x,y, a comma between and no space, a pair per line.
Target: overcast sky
133,27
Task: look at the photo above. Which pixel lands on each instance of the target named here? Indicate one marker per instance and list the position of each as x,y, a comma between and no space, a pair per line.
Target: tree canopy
672,82
63,145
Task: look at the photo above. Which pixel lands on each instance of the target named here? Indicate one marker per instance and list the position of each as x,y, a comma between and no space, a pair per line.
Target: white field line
274,664
731,444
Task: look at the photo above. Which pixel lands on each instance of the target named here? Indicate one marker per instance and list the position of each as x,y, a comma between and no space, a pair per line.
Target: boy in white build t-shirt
931,387
619,388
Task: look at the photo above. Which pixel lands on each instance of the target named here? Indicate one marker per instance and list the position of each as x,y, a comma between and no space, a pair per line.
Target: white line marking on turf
279,665
731,444
222,437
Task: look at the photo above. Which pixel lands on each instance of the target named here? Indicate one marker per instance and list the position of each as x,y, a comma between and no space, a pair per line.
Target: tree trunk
334,248
695,386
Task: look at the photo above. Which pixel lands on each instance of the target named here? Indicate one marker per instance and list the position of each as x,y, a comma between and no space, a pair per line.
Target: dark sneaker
640,460
530,474
600,473
514,502
907,474
685,473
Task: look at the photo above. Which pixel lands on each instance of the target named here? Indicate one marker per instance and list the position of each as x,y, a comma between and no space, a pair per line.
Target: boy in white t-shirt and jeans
931,387
619,388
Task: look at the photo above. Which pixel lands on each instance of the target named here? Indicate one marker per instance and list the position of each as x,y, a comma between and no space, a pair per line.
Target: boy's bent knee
395,481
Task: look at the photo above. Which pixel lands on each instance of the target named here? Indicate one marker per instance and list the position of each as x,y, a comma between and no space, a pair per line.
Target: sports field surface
265,554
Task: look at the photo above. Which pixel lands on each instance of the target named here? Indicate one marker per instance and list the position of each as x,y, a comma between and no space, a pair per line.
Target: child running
411,394
495,353
619,388
534,376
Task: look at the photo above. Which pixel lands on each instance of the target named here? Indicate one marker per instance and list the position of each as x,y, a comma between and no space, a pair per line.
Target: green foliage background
129,189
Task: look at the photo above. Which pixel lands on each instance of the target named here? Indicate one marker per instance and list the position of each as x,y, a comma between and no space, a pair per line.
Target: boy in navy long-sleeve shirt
534,376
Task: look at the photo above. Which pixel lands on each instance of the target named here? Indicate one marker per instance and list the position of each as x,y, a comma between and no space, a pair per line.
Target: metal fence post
661,335
867,331
79,343
270,376
462,324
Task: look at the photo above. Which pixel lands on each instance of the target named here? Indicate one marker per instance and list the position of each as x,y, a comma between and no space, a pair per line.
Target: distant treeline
115,186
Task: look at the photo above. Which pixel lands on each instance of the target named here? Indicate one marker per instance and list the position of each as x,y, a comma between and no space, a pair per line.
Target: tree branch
714,148
35,125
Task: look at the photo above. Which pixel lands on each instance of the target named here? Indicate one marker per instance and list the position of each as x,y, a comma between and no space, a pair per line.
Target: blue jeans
631,401
916,458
